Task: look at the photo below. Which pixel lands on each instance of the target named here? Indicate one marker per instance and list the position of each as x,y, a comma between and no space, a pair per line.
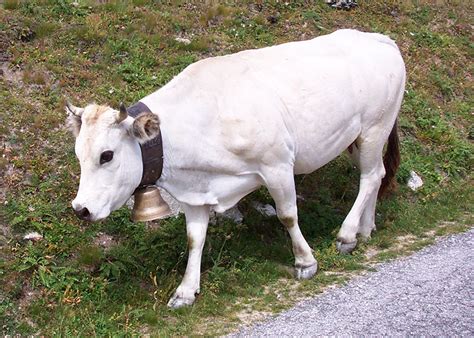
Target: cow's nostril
82,213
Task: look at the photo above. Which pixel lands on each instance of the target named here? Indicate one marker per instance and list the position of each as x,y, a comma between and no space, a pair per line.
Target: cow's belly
316,147
221,191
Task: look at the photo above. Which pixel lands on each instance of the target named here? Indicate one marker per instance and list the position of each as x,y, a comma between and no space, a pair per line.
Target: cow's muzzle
83,213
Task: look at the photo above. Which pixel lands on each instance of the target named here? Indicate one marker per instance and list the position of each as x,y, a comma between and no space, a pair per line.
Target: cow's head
107,146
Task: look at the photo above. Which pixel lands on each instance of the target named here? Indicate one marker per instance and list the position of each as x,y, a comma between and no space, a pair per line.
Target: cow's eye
106,156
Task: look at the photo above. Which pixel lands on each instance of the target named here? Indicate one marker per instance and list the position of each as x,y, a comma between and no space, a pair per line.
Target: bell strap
152,151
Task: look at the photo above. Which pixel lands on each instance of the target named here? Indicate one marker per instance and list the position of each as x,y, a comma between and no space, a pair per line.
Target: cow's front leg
197,219
281,185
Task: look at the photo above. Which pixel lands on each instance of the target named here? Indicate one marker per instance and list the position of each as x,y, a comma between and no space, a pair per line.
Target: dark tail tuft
391,161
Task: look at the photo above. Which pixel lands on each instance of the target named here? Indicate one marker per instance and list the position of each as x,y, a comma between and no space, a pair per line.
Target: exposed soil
4,44
105,241
11,75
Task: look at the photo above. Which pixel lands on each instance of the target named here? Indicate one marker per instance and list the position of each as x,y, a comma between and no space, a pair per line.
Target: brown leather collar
152,151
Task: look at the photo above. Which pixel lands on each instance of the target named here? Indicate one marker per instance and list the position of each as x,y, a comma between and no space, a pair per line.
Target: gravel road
430,293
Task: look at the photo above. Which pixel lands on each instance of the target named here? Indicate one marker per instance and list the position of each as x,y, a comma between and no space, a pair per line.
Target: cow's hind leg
361,217
197,218
367,222
281,186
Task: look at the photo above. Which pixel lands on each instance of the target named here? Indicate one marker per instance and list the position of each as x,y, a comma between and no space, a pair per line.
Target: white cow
233,123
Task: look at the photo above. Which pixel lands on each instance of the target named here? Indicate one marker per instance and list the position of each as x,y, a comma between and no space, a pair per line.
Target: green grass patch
11,4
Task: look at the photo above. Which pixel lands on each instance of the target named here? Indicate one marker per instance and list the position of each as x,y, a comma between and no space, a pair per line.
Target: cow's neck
152,151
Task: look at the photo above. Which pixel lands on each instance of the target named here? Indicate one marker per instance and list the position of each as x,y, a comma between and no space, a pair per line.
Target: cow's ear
73,121
146,127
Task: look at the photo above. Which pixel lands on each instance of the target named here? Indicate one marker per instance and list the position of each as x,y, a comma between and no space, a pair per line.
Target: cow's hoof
307,272
345,248
177,301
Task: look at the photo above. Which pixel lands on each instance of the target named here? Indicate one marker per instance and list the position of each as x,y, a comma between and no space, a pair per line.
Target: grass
69,284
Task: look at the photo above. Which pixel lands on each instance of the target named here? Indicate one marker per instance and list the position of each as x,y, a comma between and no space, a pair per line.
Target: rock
273,19
27,180
232,214
300,197
265,209
129,203
33,236
414,182
182,40
342,4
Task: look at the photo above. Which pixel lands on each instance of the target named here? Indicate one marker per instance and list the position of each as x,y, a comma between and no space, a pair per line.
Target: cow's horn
73,109
122,113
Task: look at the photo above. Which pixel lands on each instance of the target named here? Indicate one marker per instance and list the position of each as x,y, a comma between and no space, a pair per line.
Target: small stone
130,203
265,209
183,40
33,236
232,214
342,4
414,182
27,180
273,19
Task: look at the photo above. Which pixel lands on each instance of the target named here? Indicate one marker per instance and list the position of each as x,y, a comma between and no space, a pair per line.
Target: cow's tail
391,162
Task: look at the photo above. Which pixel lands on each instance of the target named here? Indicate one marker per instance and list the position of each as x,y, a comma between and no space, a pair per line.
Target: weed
34,77
430,39
214,13
196,45
90,255
141,2
44,29
422,14
243,28
66,8
444,84
11,4
312,17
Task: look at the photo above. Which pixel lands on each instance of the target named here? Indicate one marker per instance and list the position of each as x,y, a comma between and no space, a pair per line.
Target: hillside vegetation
115,277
